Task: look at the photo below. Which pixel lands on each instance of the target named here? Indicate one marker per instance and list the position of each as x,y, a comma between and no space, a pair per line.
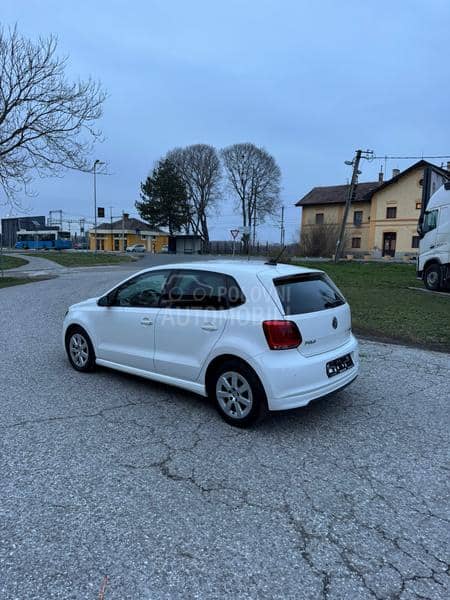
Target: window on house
418,205
356,242
391,212
357,217
415,241
319,218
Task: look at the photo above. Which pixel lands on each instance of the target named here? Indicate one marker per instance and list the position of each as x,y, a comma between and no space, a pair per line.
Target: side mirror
107,300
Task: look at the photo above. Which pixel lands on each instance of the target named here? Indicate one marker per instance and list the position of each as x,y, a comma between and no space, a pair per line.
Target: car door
126,329
191,320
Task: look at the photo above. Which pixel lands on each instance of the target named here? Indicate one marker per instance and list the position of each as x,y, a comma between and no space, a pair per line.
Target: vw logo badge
334,322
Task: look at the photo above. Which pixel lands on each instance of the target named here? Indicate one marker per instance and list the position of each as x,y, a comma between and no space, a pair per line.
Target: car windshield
307,293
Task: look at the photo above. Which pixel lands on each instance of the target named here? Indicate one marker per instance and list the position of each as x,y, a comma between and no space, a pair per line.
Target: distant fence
258,249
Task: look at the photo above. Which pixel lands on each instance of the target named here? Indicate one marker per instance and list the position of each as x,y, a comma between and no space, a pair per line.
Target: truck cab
433,265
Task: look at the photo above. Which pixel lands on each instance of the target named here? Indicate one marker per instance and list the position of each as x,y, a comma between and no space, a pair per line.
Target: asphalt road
110,475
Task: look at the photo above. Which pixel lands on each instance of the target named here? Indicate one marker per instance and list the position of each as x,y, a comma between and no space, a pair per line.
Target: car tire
432,278
80,350
237,393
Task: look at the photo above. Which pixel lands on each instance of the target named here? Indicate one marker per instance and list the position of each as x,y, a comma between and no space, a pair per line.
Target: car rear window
307,293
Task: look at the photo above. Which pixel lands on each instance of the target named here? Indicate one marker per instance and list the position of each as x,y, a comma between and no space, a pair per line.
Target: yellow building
384,214
118,235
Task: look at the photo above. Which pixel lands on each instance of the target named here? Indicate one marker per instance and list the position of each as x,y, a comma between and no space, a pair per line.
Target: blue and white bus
46,239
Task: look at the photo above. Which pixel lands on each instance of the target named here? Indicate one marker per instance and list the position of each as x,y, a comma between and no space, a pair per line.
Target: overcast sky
310,81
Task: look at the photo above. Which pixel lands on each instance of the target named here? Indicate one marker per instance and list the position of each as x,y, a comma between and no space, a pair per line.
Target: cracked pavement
110,475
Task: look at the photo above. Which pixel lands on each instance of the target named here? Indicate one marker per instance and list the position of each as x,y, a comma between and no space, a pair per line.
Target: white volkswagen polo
252,336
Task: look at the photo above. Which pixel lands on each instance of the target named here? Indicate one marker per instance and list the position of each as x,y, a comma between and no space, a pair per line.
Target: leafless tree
254,177
319,240
199,167
46,122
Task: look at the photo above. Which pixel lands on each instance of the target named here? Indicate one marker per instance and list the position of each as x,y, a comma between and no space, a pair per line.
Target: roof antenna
274,261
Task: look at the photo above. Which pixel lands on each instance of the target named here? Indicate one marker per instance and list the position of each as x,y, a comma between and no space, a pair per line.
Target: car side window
235,295
142,291
201,290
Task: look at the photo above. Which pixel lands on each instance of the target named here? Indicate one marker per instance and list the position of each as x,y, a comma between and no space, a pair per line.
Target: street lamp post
96,163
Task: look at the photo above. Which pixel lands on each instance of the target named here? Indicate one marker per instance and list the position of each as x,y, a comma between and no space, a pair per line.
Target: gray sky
310,81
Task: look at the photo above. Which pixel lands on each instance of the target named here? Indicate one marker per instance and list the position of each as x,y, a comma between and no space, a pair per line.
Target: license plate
339,365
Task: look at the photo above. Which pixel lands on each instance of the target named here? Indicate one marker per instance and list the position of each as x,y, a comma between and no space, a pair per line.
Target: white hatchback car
252,336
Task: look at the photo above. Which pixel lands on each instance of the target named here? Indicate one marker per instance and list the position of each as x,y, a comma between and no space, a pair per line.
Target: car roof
239,267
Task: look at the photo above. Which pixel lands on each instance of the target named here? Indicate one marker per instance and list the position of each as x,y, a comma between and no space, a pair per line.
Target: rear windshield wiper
333,303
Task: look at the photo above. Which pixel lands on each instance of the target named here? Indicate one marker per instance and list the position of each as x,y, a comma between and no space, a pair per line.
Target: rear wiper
333,304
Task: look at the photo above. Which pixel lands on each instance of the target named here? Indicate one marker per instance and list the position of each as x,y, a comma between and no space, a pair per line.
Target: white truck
433,265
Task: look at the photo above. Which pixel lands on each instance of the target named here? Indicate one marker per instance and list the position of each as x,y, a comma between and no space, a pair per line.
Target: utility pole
96,163
111,227
95,205
350,196
81,224
282,227
123,231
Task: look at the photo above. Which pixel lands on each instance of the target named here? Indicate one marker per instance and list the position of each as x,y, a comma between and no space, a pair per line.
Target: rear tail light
282,335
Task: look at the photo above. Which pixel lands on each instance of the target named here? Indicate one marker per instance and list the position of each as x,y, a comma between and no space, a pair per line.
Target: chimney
380,176
448,165
126,216
395,172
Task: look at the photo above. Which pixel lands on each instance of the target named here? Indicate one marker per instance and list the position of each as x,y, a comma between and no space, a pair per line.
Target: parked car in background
253,337
164,249
136,248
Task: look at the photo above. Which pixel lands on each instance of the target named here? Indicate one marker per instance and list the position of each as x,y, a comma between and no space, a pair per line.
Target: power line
384,157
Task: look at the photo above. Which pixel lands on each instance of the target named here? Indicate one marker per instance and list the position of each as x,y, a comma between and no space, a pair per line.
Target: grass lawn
82,259
11,262
9,281
383,306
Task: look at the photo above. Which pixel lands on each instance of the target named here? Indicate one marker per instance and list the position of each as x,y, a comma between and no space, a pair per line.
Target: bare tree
319,240
254,177
46,122
199,167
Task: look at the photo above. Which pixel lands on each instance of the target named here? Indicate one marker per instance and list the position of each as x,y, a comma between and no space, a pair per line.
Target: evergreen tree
164,198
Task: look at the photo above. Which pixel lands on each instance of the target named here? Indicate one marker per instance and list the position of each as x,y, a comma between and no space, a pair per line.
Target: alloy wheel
234,395
79,350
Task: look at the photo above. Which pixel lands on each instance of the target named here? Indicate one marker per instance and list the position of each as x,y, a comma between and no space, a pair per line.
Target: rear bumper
292,380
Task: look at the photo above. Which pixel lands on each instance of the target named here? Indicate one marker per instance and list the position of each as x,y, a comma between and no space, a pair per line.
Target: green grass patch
10,281
83,259
383,306
11,262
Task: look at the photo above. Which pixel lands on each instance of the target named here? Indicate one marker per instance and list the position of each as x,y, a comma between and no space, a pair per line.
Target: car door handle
146,322
209,327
